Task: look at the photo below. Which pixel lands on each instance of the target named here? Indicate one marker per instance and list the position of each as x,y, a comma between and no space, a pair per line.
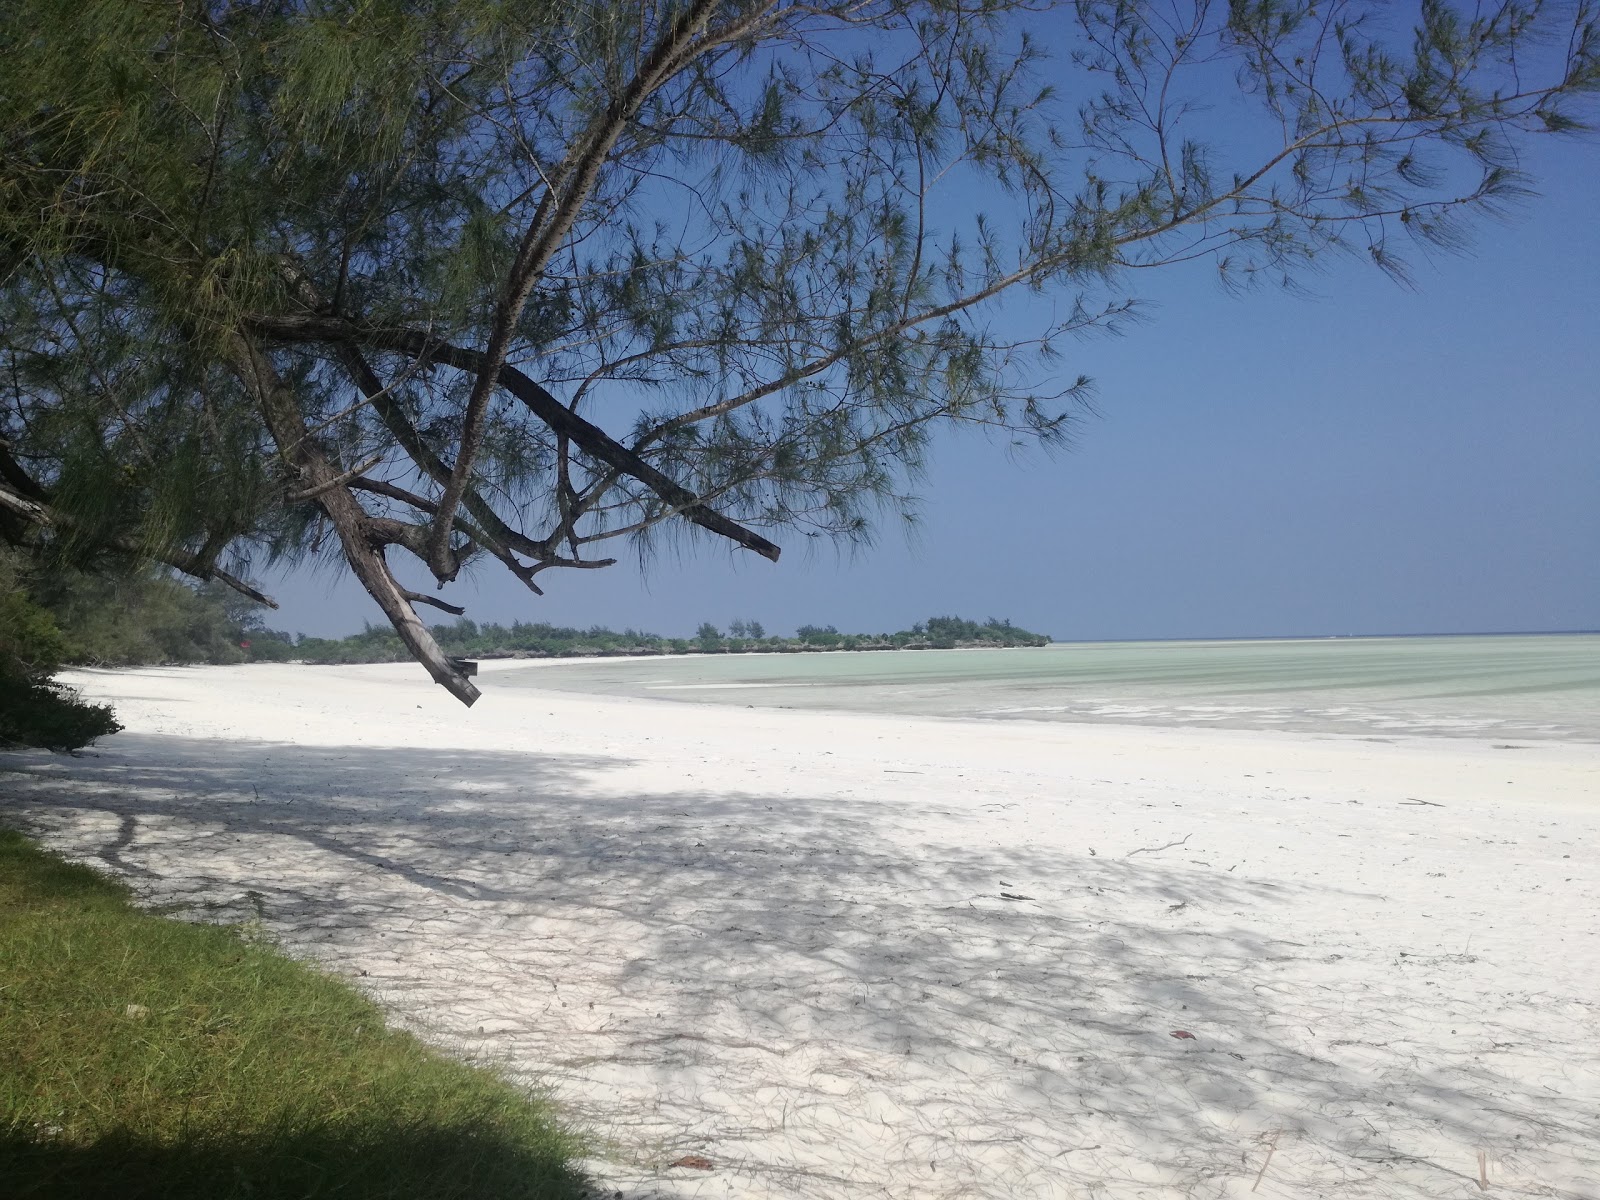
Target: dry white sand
852,956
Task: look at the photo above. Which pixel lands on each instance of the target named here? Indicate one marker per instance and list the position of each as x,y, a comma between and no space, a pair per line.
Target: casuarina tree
513,280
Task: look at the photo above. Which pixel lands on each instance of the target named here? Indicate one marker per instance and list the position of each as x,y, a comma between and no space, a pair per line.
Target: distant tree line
140,618
468,639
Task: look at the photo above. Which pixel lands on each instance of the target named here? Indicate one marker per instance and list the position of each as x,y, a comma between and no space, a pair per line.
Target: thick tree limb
351,522
386,531
519,569
32,511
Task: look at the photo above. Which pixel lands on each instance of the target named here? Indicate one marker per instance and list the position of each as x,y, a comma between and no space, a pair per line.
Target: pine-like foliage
513,279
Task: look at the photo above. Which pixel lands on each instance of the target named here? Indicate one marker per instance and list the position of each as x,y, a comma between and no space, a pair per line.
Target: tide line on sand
799,954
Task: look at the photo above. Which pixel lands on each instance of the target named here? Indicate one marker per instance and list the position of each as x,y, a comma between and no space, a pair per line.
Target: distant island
467,639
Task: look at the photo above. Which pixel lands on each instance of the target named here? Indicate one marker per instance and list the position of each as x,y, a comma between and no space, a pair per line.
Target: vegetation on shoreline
50,618
148,617
468,639
152,1058
35,710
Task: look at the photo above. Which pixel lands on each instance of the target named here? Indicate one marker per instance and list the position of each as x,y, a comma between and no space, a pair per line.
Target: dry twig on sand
1272,1148
1157,849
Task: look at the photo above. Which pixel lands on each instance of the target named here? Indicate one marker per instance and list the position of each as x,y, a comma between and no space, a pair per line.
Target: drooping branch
361,539
194,566
600,445
433,601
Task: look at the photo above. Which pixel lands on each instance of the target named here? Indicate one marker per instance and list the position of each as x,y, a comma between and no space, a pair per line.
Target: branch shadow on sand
811,993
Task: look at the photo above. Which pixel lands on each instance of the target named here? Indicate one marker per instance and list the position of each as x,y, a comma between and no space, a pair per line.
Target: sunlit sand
854,955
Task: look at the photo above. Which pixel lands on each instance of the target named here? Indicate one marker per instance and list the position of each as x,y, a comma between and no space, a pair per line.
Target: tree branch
558,210
351,522
434,601
37,512
593,440
427,461
192,565
344,478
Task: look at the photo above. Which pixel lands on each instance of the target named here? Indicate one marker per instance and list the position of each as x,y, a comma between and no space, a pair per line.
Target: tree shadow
822,997
369,1162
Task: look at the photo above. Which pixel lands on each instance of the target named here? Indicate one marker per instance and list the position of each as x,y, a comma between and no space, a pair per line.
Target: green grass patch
147,1057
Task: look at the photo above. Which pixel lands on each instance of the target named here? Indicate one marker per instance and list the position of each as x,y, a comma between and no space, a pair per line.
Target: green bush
124,619
42,712
34,709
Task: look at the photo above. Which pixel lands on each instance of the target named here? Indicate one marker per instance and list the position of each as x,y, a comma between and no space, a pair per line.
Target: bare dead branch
350,521
432,601
1157,849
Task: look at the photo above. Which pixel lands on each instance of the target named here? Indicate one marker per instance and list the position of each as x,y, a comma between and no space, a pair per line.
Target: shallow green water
1522,687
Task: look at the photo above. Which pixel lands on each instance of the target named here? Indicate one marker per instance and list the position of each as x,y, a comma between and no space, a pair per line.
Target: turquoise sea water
1511,687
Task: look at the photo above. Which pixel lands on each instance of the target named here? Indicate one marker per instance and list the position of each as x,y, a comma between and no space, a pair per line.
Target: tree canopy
510,280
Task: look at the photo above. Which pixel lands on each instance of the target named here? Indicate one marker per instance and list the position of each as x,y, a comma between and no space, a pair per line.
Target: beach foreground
849,956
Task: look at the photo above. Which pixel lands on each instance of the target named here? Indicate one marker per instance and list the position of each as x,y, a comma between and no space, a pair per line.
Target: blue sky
1369,459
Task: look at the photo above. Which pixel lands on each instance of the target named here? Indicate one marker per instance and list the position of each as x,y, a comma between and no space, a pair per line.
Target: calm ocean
1522,687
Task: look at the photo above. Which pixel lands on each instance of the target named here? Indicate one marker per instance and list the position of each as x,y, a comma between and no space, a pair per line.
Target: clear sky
1367,460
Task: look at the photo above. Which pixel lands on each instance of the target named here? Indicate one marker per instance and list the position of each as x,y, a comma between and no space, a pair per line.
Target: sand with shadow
857,956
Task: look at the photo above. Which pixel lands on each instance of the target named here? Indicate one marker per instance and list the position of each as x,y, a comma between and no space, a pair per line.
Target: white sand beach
859,956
